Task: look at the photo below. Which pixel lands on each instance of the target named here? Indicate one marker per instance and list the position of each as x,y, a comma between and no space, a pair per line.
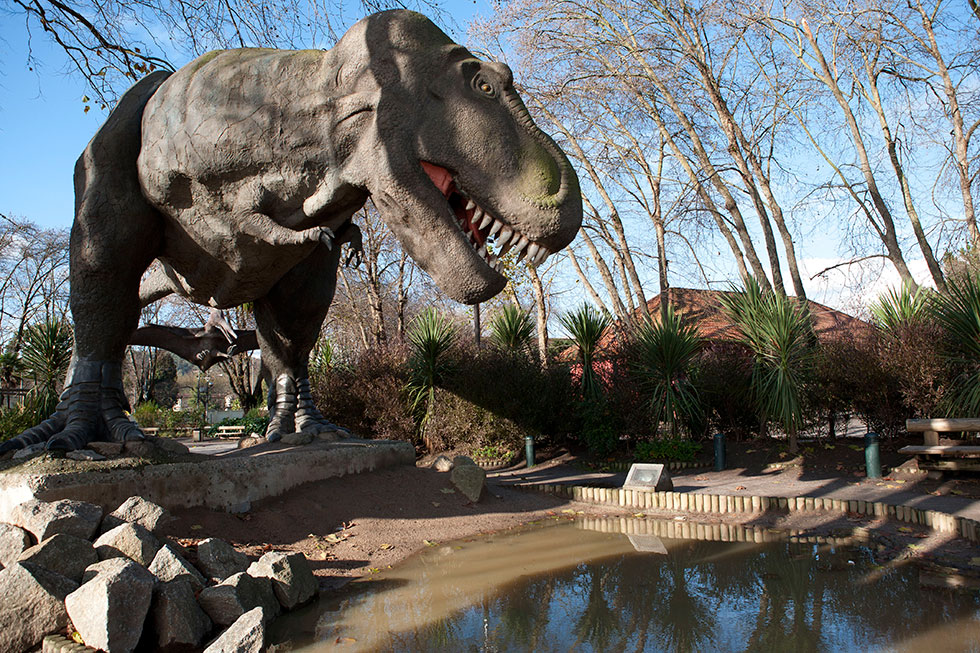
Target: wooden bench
231,431
933,456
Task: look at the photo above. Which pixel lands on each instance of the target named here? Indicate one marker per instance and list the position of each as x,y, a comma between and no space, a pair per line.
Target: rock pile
66,568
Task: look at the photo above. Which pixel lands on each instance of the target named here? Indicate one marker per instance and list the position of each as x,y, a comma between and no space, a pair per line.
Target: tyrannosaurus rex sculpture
235,172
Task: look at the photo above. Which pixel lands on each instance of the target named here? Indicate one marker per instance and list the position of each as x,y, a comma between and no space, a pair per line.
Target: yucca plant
779,332
512,329
430,335
46,356
321,358
898,309
958,312
663,355
586,326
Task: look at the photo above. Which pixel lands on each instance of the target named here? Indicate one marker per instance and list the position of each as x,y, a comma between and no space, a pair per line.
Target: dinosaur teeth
477,215
504,236
532,252
487,219
470,205
521,244
497,226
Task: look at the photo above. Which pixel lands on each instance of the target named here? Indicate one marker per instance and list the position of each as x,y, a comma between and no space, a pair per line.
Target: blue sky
43,126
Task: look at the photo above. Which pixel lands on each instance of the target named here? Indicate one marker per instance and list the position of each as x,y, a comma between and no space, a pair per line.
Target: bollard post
719,451
529,450
872,459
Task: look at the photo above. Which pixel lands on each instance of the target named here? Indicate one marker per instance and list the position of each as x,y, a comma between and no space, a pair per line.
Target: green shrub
598,432
368,395
496,398
15,420
723,376
670,450
779,332
663,355
148,414
492,454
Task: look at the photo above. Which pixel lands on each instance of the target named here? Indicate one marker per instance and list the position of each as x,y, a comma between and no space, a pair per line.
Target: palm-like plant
663,357
779,332
586,327
958,312
897,309
430,336
46,356
512,329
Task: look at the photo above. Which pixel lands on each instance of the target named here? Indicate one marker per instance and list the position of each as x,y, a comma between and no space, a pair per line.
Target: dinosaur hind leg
114,237
288,322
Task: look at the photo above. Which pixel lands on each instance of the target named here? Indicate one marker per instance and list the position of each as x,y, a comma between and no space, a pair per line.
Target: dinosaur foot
293,411
91,408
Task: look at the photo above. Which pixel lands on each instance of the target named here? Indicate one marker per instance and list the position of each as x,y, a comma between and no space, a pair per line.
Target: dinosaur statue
236,171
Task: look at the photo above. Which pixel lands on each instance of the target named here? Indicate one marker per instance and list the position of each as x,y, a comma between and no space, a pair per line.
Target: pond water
567,586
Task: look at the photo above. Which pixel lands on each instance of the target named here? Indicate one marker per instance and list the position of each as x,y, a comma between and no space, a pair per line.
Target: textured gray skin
235,171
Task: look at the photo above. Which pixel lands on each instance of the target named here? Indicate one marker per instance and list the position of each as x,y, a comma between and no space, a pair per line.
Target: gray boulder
246,635
169,565
30,451
137,510
14,540
298,438
108,611
84,455
219,560
233,597
44,519
63,554
442,464
105,566
31,605
290,574
470,480
155,447
107,449
129,540
179,621
459,461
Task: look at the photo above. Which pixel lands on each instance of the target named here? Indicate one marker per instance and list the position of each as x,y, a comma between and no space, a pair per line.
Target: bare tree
111,43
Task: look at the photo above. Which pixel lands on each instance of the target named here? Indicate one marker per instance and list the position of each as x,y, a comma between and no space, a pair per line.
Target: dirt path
351,525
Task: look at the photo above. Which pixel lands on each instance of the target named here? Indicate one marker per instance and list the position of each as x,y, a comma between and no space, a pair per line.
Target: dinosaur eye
485,87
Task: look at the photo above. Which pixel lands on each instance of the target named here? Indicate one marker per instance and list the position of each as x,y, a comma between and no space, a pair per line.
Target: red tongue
439,176
444,182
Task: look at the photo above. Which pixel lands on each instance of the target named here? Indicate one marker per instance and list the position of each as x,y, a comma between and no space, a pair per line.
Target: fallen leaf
639,514
700,478
77,637
975,561
447,490
740,487
904,529
345,640
568,511
196,527
435,504
430,543
386,546
333,538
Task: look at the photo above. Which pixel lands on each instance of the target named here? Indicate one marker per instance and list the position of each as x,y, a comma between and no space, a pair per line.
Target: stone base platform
228,482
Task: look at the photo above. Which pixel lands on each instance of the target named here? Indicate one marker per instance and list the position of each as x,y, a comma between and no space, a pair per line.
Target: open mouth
490,237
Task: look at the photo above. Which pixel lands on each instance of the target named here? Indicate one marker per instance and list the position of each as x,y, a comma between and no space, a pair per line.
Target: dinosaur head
453,160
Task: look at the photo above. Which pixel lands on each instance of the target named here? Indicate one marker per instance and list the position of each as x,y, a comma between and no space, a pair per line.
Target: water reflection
570,586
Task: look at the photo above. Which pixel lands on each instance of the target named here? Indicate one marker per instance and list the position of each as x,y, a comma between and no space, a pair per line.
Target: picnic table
947,457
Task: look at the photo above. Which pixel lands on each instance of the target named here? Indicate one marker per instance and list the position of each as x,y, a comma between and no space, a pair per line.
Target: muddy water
567,586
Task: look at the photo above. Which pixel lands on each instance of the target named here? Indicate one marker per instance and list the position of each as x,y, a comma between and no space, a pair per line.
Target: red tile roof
703,308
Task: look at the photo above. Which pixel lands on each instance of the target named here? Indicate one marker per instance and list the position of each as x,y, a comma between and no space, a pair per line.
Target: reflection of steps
721,504
684,530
